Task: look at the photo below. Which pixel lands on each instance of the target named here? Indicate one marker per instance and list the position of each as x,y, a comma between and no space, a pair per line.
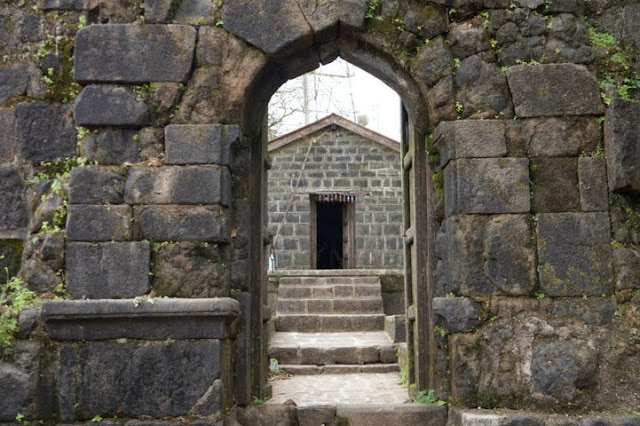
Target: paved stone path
333,389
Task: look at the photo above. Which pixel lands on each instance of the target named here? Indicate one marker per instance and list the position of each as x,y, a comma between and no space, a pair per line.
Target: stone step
328,280
309,370
323,323
360,305
318,349
329,291
396,414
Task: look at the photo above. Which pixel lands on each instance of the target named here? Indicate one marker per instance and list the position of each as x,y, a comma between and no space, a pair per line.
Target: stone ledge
157,320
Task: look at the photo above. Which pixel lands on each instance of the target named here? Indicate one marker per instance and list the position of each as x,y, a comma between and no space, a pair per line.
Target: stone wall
155,114
340,162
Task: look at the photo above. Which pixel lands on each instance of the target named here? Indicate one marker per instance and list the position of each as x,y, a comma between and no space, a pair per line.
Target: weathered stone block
199,144
10,256
96,185
12,206
109,106
594,310
489,255
555,184
553,136
13,82
178,185
153,379
574,254
134,53
407,414
562,369
190,269
470,139
107,270
626,262
482,89
554,89
182,223
45,132
460,314
18,379
112,146
316,415
275,27
432,63
65,5
98,223
146,319
592,181
622,145
328,16
487,185
8,134
157,11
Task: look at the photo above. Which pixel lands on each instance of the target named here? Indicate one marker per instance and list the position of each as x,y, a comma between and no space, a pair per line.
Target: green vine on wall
14,298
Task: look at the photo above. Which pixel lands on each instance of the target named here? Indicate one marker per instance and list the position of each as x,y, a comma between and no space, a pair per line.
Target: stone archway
290,62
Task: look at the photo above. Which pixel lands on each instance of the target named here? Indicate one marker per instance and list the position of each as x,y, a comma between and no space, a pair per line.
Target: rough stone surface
487,185
555,89
178,185
190,269
626,262
13,82
109,106
45,132
482,89
326,18
134,53
555,184
553,137
487,255
157,11
432,63
12,205
199,144
574,254
275,27
622,145
112,146
174,377
182,223
459,314
8,134
107,270
98,223
470,139
561,369
96,185
65,5
592,181
18,378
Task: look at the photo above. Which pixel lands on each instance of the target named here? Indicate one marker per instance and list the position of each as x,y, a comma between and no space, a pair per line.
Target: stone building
335,197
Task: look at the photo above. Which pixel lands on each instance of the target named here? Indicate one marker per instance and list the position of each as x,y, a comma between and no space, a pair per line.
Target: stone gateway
134,182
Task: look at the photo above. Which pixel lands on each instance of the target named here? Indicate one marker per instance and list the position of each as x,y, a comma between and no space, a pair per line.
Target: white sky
331,94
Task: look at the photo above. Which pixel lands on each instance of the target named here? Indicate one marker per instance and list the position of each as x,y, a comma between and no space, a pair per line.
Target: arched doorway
349,45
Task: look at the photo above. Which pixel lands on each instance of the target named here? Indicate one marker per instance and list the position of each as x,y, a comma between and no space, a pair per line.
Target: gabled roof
330,120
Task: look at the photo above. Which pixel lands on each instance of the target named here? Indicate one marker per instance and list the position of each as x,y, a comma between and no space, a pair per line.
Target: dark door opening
329,234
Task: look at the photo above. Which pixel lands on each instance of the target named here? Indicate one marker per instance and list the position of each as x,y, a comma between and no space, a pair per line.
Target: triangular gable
328,121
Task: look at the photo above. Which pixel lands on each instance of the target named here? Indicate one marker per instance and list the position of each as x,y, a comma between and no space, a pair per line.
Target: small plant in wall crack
14,298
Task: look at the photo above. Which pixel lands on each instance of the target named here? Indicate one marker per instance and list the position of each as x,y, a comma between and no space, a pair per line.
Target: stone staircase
332,325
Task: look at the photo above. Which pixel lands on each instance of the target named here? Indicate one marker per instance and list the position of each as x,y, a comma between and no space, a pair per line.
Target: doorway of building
332,234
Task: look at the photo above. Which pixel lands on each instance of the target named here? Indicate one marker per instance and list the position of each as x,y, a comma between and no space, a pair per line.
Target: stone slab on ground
382,388
332,348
